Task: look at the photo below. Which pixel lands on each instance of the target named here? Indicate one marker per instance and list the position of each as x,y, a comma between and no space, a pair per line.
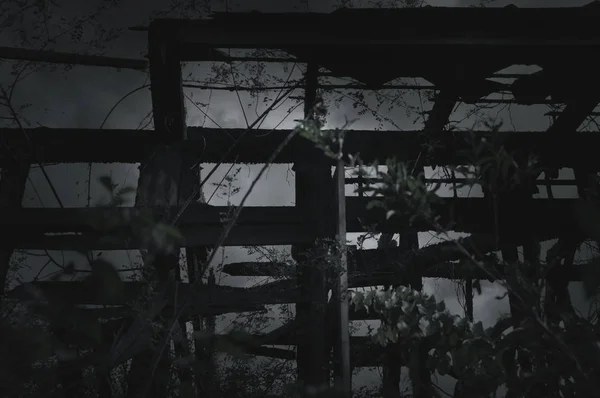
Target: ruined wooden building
373,47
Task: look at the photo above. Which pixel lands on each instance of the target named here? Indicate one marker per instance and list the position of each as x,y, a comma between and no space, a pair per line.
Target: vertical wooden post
314,195
166,82
157,188
343,378
12,187
164,180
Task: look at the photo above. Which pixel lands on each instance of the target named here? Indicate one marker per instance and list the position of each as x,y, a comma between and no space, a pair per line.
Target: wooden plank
568,149
314,196
364,351
472,213
518,218
12,187
202,299
57,57
342,371
166,87
201,225
112,228
83,219
204,236
249,268
444,270
314,30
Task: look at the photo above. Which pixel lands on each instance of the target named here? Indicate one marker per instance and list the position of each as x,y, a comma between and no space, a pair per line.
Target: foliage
552,359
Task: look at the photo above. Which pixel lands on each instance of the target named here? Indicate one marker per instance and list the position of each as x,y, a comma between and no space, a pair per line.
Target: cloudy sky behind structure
81,97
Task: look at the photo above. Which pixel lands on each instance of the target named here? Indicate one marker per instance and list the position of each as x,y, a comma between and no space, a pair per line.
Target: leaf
170,231
478,329
186,390
587,217
105,281
201,335
107,183
126,191
590,277
224,345
391,334
441,306
85,328
453,340
505,169
185,362
443,365
358,300
375,203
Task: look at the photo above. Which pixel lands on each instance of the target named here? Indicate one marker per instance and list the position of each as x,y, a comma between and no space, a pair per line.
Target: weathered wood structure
458,59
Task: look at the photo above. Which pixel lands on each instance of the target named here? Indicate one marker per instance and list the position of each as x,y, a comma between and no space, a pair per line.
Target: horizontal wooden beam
201,225
398,27
202,299
445,270
516,219
44,145
272,352
57,57
115,228
365,351
113,219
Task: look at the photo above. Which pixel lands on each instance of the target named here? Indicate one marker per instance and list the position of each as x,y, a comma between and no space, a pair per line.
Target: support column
164,181
314,194
157,188
12,187
343,373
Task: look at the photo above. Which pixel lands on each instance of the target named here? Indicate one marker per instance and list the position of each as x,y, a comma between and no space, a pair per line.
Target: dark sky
82,96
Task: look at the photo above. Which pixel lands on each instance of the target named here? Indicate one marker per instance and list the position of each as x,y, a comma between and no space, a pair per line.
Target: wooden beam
166,87
335,29
57,57
202,299
272,352
13,179
569,149
200,225
314,197
342,370
204,236
108,219
517,217
250,268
